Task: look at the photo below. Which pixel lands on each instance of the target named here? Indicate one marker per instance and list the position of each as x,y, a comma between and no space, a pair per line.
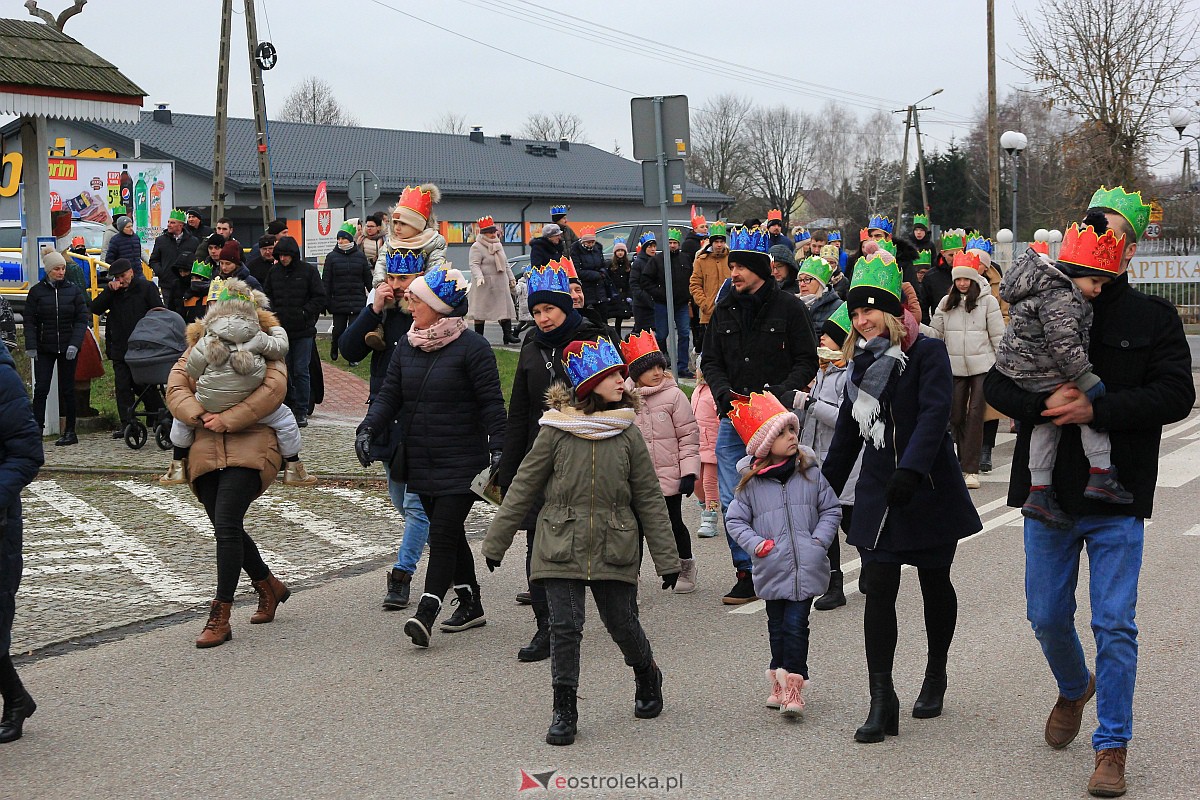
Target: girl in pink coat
667,424
707,490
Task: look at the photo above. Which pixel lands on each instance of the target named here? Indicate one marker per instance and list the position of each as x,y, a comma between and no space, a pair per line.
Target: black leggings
226,495
835,547
340,323
879,619
450,559
683,537
43,368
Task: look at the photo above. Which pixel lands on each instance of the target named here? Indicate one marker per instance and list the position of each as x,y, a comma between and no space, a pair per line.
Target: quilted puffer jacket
669,427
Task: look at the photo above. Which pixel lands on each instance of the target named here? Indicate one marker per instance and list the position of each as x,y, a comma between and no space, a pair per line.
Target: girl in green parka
591,462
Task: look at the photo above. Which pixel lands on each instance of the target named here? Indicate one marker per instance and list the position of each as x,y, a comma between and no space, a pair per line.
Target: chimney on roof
162,113
549,151
506,138
477,133
564,145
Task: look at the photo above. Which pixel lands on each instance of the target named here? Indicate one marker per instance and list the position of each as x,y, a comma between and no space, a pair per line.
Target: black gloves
491,564
669,580
362,446
495,462
687,485
902,487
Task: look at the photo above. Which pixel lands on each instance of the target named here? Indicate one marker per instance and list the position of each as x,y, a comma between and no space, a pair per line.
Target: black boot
884,717
469,613
509,336
834,597
398,584
742,591
566,716
538,648
647,698
420,626
933,690
68,438
985,459
479,327
18,704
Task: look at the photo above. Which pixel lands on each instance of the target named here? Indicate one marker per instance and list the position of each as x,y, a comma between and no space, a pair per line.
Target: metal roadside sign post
657,120
363,188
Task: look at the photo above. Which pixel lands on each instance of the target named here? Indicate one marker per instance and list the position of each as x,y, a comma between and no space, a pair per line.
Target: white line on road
379,506
61,569
1193,531
1181,427
356,548
1180,466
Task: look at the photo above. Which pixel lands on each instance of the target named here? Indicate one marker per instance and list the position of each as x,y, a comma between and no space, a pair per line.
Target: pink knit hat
760,443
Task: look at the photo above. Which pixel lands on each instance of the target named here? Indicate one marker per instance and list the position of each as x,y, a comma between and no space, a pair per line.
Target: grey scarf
866,395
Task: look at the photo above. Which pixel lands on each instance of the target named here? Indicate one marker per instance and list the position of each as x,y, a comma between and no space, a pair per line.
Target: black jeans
879,618
787,630
226,494
450,560
125,391
683,537
43,369
617,603
340,323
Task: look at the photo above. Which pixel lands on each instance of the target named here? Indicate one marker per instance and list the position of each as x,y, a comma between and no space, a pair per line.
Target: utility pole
266,188
221,118
903,165
920,159
993,126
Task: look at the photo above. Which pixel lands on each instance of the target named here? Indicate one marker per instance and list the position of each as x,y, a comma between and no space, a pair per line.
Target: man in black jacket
547,247
262,259
125,301
170,244
1139,350
588,257
759,339
297,299
653,281
196,226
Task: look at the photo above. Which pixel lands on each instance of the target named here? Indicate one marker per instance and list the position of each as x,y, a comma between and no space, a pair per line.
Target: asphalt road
332,701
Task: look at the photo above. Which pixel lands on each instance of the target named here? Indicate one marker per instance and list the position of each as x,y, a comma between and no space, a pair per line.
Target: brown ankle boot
271,592
176,474
1062,726
1109,778
216,630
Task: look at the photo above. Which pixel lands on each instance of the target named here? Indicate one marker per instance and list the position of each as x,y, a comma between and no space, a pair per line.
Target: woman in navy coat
911,504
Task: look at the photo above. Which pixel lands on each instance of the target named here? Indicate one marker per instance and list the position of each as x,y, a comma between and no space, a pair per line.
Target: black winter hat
645,362
267,240
215,240
276,227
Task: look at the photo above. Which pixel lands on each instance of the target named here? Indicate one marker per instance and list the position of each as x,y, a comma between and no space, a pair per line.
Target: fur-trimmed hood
560,397
196,330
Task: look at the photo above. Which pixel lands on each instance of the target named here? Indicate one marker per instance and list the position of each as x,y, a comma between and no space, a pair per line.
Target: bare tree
1118,65
718,157
313,100
617,148
449,122
779,143
553,127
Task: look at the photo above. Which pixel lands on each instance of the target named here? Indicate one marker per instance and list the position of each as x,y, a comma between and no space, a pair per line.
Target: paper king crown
350,228
751,413
818,268
802,235
587,362
219,291
675,235
923,259
718,229
646,239
922,220
638,345
977,241
753,239
1082,247
698,220
835,236
177,215
774,215
967,259
952,241
485,222
549,278
417,200
405,262
880,222
1128,204
448,285
558,210
202,268
567,266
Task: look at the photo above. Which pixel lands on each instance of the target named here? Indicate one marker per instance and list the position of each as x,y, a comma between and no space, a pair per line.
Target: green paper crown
1128,204
202,268
923,259
675,235
921,219
350,228
818,268
876,272
884,244
717,229
841,317
177,215
952,241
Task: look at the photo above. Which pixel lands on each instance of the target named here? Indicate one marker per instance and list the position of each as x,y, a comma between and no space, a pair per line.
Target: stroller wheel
135,435
162,437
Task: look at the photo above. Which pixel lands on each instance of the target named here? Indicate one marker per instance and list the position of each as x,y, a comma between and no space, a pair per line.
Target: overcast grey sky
396,70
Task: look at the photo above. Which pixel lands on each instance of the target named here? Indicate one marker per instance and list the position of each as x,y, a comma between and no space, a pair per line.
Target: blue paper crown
405,262
557,210
977,241
447,287
618,241
548,278
880,222
647,237
803,236
594,358
835,236
749,239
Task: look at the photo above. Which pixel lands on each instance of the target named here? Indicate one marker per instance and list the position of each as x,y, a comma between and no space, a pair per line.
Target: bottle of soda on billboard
126,188
141,200
156,190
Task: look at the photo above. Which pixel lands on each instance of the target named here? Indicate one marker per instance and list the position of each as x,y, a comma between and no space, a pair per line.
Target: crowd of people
833,392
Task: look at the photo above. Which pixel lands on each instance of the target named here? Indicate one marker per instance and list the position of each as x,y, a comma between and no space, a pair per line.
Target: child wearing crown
231,347
591,465
1046,345
669,427
784,513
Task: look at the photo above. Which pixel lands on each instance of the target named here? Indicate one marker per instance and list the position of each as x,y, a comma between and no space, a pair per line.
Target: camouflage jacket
1046,342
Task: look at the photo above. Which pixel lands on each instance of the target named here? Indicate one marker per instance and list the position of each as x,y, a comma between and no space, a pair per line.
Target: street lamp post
1013,143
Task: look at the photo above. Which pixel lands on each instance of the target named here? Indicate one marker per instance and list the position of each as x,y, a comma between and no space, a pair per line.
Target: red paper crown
421,202
749,414
587,230
638,345
566,265
485,222
1040,247
774,213
698,220
863,234
1081,247
964,258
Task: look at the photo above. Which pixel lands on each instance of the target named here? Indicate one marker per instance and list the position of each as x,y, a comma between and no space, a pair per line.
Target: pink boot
777,684
793,701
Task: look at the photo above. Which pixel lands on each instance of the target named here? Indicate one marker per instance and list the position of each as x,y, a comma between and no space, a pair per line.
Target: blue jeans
299,389
730,450
416,524
787,629
682,332
1114,547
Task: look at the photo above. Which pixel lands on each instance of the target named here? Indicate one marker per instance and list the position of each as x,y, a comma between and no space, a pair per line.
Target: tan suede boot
1109,778
294,474
271,592
216,630
1062,726
176,474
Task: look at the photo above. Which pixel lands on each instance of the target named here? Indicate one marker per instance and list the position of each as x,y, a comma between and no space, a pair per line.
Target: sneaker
353,363
1042,506
971,479
1109,778
1103,486
302,420
742,591
118,434
708,524
775,699
469,611
420,626
1062,726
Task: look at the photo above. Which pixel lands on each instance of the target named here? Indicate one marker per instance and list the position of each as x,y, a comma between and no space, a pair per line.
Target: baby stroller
156,343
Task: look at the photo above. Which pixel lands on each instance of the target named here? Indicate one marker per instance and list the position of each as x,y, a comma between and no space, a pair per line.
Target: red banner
321,198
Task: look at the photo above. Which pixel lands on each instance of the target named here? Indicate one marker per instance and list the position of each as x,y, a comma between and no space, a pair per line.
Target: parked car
629,231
